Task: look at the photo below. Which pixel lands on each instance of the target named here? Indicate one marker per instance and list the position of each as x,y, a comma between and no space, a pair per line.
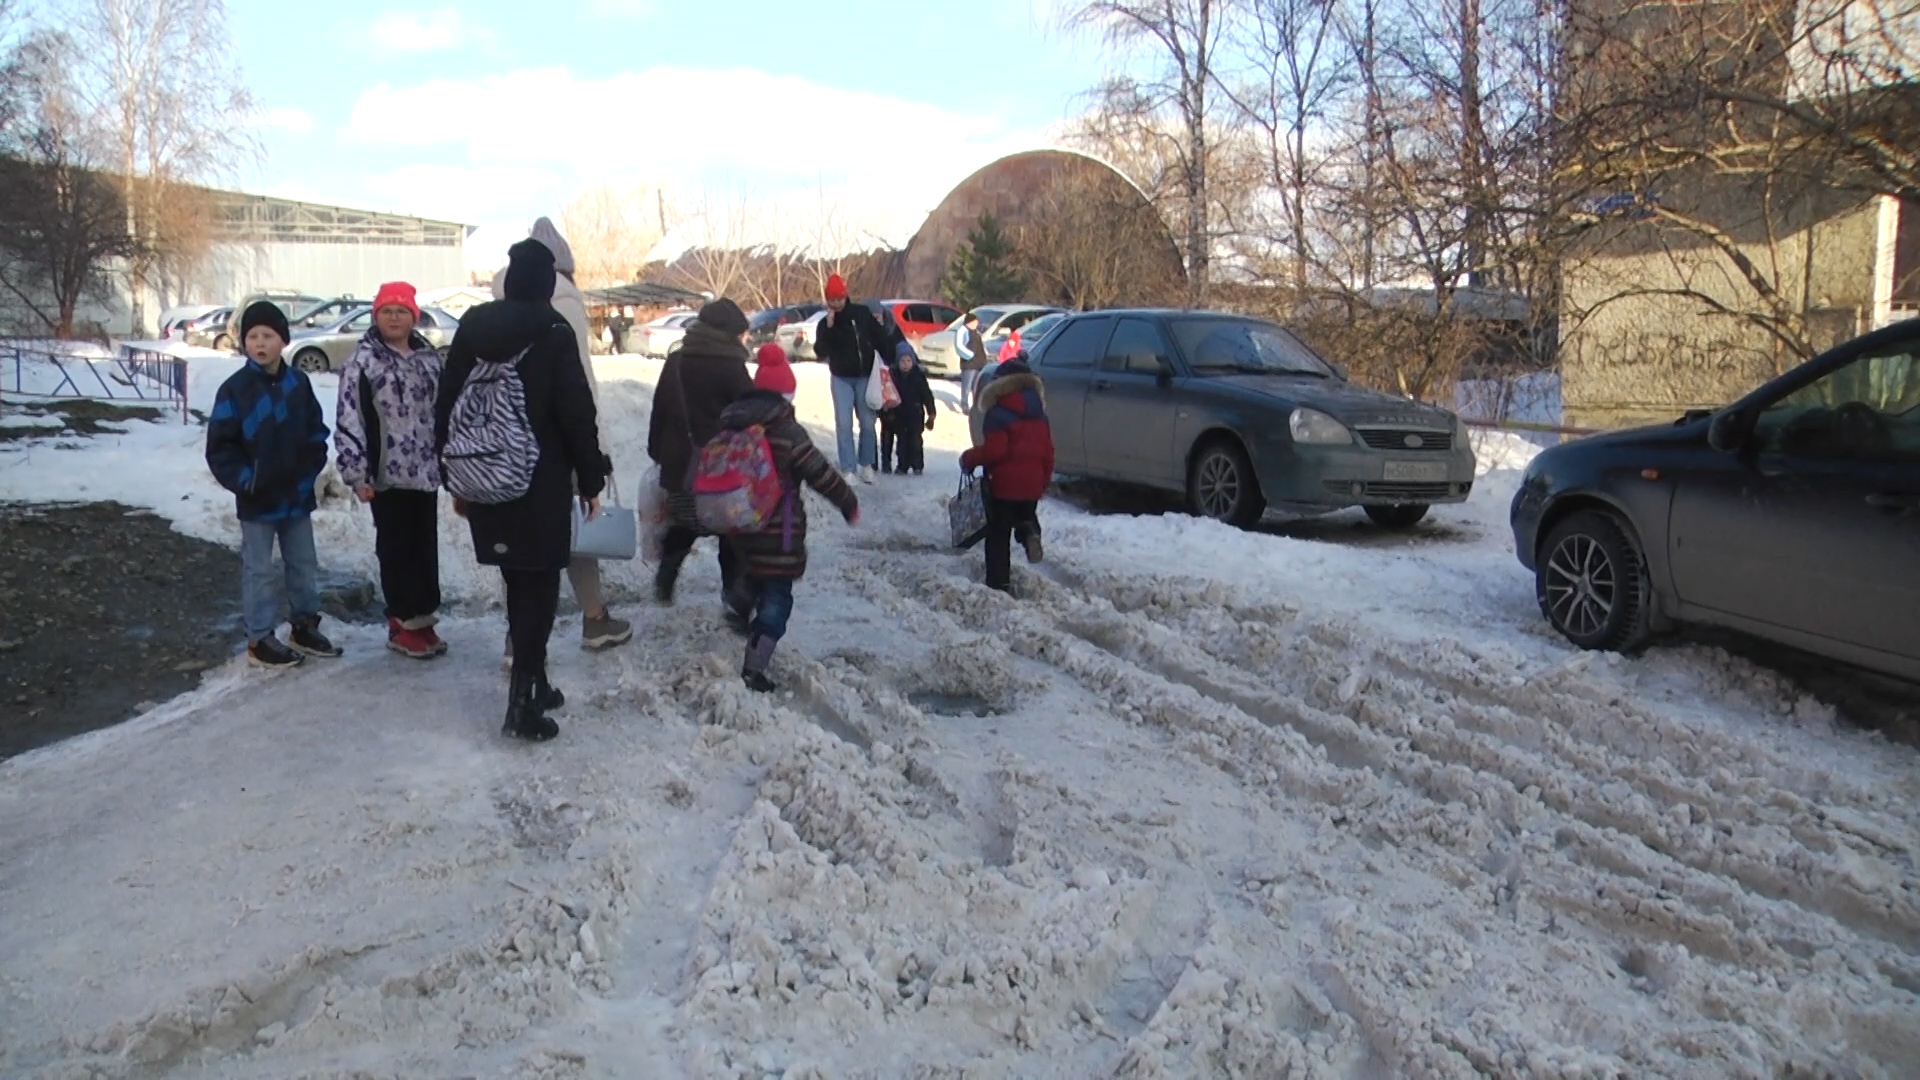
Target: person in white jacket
598,628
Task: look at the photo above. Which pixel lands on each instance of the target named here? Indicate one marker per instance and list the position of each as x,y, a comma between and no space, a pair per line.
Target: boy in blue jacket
266,443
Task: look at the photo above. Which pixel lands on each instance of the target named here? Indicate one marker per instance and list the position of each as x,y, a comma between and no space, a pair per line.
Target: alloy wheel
1582,585
1219,486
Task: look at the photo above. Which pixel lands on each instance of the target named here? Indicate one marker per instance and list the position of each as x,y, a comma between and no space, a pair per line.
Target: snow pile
1316,801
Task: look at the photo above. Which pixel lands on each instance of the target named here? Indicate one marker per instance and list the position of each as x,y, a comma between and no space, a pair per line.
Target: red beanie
836,287
772,372
396,294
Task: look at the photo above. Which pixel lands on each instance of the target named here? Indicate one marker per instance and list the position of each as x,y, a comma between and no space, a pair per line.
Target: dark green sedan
1241,417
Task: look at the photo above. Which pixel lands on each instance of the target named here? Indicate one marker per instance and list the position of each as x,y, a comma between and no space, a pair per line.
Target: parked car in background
659,337
937,352
1792,515
915,318
201,330
174,318
294,304
325,313
1240,416
326,347
1030,334
763,326
798,337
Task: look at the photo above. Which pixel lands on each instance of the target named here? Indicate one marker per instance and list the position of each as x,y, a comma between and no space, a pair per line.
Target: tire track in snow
1595,877
1819,868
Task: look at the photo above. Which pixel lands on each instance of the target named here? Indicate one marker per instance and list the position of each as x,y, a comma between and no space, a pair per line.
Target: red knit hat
772,372
396,294
836,287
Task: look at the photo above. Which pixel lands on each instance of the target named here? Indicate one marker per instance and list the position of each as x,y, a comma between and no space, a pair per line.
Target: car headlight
1311,427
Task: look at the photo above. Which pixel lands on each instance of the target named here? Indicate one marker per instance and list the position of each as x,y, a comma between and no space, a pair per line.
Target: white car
936,350
797,337
657,338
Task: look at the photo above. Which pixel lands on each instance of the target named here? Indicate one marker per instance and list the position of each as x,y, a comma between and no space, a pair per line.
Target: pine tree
982,270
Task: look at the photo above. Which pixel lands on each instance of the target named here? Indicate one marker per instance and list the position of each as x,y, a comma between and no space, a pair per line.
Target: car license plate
1430,471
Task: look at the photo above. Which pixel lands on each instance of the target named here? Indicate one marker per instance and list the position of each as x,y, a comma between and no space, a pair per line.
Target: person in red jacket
1016,450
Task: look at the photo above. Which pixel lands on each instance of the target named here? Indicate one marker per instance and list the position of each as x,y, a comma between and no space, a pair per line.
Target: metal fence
36,371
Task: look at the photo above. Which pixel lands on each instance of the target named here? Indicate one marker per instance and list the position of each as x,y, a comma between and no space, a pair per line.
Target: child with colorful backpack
908,422
746,485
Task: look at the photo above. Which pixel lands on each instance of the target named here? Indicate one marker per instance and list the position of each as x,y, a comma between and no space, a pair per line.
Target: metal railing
138,375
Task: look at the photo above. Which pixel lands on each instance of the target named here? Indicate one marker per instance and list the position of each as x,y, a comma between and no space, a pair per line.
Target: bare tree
1091,243
833,239
62,222
1296,76
611,233
719,227
173,121
1184,37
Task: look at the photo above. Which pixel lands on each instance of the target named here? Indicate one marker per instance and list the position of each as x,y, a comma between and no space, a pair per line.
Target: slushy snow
1316,802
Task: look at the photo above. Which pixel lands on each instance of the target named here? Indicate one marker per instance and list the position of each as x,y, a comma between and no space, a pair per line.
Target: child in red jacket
1016,450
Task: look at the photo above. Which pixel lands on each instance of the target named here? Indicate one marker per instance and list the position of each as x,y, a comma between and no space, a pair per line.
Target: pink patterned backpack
736,483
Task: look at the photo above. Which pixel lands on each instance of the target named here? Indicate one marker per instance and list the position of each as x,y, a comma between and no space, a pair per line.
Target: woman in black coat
530,538
704,375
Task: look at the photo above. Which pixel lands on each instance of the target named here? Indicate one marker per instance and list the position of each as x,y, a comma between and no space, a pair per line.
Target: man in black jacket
849,339
703,375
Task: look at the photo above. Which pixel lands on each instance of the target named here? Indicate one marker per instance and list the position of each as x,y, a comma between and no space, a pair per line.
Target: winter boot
307,638
269,653
664,580
407,642
525,720
424,627
604,632
1031,542
753,669
547,696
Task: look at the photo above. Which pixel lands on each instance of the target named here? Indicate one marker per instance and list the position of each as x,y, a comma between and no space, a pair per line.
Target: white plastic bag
655,515
881,393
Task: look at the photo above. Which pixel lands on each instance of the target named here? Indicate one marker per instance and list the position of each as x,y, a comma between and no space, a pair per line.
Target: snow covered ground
1201,803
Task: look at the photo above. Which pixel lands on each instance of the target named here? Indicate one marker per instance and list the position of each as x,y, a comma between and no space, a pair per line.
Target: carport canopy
643,294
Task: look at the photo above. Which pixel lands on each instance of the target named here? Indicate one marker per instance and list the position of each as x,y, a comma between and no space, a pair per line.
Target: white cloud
888,160
440,30
295,121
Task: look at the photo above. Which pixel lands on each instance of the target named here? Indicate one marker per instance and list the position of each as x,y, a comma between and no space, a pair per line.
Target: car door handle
1886,500
1102,384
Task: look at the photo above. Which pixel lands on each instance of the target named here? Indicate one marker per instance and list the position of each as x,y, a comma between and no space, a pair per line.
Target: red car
916,318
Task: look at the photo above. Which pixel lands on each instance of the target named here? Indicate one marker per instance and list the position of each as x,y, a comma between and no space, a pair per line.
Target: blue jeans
850,400
260,584
967,381
772,606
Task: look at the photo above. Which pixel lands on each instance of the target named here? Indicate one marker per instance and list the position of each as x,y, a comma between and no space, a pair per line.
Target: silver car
327,347
936,350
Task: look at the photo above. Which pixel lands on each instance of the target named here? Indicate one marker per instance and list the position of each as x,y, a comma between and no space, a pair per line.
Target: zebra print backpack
491,450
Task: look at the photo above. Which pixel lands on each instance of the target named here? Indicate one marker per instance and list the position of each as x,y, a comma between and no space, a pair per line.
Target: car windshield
1245,345
1037,329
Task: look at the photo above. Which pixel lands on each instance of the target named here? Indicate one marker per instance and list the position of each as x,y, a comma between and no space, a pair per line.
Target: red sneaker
435,641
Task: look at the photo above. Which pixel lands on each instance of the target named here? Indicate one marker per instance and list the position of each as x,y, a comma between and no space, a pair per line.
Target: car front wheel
1398,515
1221,486
1591,583
312,361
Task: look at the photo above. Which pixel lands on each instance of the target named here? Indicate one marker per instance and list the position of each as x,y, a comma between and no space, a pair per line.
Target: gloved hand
930,415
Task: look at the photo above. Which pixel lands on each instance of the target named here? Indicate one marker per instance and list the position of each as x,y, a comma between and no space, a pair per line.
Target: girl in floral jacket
383,442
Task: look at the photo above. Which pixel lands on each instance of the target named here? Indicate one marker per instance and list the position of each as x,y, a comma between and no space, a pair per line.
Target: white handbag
614,534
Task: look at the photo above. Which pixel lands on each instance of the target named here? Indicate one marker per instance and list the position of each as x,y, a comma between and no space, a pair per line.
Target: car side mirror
1728,431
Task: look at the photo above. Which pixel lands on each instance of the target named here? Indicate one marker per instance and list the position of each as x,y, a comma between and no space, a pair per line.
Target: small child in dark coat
775,557
908,421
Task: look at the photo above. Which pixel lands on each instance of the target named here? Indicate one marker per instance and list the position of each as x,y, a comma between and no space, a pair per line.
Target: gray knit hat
544,231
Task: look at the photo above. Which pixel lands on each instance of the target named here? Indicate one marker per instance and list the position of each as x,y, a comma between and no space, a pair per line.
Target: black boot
664,580
753,669
547,696
525,720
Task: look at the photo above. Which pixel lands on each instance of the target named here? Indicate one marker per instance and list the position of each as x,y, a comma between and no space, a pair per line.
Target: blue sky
490,113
